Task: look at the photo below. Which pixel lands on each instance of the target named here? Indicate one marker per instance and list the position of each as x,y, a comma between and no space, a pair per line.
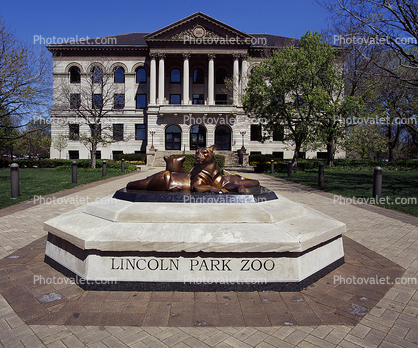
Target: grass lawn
399,189
43,181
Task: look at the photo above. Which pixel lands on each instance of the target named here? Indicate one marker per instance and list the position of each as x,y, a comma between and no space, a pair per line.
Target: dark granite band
256,195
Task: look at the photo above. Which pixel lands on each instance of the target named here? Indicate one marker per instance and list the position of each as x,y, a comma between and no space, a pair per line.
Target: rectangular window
119,76
97,75
115,152
98,155
119,101
141,101
118,132
278,133
175,76
73,155
302,155
255,132
74,131
141,75
278,155
321,155
221,99
140,132
198,99
175,98
97,101
75,101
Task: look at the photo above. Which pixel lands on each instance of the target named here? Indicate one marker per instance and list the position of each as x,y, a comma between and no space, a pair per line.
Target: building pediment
197,26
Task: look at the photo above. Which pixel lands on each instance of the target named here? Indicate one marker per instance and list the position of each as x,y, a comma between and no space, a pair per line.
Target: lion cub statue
205,177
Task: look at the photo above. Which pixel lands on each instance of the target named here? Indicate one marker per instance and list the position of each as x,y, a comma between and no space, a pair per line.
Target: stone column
244,75
153,82
211,79
236,80
161,75
186,74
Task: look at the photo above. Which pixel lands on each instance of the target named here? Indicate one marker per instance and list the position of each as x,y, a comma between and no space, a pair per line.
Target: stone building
169,92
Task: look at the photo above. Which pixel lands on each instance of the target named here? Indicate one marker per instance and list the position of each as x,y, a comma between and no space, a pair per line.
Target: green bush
4,163
44,163
262,164
63,163
260,158
110,167
141,157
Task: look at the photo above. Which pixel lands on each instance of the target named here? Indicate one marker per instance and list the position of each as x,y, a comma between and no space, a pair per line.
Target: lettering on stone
143,264
194,264
256,265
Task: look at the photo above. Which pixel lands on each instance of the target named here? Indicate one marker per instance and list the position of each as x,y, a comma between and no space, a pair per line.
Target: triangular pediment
197,26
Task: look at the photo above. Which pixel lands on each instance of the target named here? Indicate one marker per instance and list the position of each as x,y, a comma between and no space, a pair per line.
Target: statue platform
167,241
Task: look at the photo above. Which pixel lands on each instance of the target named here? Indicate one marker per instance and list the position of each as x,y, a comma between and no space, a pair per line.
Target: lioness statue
205,177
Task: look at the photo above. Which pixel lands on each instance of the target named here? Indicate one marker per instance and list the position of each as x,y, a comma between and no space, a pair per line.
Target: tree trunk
296,155
330,152
389,136
93,155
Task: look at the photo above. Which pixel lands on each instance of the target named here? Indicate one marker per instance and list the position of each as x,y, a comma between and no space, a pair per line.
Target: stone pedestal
194,242
151,154
244,157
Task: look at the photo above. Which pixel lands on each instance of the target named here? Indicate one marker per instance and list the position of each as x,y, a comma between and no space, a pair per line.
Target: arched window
96,74
220,76
119,75
74,74
141,75
173,137
175,76
197,137
223,138
198,76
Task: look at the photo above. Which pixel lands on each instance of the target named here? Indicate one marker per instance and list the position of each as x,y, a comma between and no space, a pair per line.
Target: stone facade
171,90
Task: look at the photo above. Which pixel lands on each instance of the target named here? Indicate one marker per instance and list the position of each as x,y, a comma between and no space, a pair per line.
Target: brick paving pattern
378,241
41,295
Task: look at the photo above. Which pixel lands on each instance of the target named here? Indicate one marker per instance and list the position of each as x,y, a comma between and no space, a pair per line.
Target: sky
33,20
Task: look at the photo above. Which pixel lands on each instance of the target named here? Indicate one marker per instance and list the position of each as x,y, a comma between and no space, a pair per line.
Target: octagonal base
115,244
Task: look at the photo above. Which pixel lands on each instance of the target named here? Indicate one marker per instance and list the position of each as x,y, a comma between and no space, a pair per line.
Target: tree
90,102
36,140
390,100
8,135
375,72
60,143
25,83
412,125
301,89
393,24
365,139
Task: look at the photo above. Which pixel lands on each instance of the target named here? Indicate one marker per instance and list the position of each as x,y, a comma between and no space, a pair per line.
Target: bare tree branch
25,80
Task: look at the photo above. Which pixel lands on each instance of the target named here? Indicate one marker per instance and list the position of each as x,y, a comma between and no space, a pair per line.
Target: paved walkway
392,322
